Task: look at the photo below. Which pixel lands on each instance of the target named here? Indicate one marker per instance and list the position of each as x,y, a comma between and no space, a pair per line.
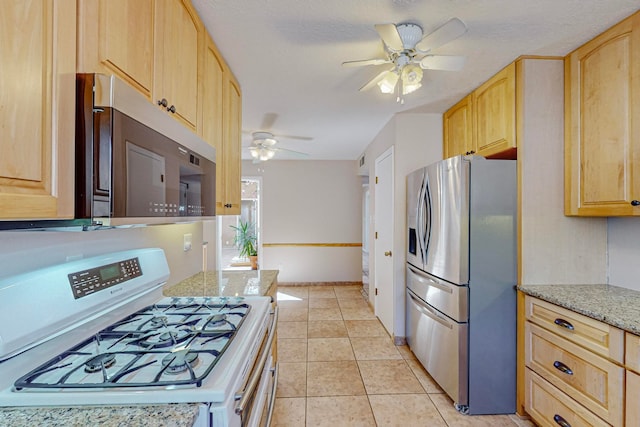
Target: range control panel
90,281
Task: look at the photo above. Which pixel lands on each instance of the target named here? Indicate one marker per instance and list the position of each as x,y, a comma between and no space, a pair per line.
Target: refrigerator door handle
429,312
430,282
419,228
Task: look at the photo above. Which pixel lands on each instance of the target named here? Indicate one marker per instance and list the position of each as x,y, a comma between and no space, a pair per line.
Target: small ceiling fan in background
263,143
407,49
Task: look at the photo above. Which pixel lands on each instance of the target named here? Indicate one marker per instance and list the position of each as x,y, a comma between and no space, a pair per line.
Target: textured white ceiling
287,56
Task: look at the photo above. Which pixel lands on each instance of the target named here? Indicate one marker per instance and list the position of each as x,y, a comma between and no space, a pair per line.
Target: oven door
256,399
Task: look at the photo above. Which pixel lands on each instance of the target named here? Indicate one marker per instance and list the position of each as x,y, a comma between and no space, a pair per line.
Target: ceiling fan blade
374,81
298,153
301,138
390,36
359,63
449,31
443,62
268,120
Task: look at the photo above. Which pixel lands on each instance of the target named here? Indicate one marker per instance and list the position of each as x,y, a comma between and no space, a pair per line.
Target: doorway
383,242
230,258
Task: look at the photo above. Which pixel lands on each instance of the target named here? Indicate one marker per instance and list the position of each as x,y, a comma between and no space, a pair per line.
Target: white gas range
99,332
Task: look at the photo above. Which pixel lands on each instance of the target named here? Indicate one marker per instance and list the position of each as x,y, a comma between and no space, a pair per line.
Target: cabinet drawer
603,339
548,406
591,380
632,352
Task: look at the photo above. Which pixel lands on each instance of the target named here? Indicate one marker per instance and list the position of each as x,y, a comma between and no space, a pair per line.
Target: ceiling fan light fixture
255,152
388,83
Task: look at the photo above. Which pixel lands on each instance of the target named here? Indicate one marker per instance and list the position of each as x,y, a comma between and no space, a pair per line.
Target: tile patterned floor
339,367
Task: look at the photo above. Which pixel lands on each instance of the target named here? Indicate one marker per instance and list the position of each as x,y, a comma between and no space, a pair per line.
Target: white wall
22,251
624,252
305,201
417,139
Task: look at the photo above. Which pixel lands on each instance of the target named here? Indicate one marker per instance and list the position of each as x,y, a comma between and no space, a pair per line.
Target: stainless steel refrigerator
461,277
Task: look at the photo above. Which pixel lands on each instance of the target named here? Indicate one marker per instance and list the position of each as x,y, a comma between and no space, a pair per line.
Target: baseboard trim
285,284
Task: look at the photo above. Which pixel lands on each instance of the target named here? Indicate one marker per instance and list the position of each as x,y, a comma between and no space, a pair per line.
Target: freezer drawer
441,346
450,299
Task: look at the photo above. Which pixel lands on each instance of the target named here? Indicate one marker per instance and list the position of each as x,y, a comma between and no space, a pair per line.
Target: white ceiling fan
408,50
263,146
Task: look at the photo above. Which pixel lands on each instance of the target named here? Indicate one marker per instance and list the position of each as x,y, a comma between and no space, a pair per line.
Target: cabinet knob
635,203
469,152
387,253
172,109
163,102
561,421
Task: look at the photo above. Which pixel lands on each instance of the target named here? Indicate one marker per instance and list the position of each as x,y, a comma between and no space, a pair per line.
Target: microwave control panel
90,281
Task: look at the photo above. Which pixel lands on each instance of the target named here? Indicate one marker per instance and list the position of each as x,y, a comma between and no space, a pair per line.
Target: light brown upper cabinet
602,124
37,100
484,122
228,155
458,128
494,106
116,37
212,93
177,42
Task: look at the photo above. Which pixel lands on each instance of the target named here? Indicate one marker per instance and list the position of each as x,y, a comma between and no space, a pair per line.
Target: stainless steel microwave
134,163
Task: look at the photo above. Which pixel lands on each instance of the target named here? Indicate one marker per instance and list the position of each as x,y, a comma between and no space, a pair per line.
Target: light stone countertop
616,306
169,415
225,283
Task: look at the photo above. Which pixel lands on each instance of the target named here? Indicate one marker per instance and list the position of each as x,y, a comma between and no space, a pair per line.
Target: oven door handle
272,401
245,395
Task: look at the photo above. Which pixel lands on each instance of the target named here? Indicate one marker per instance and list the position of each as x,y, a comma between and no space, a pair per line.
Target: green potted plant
247,241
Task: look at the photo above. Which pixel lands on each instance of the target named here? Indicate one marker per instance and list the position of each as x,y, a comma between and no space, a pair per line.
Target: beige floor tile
352,303
388,377
521,422
340,378
294,303
289,412
357,313
292,379
428,383
345,411
292,329
455,419
348,292
327,329
329,349
323,303
365,328
325,314
288,292
293,314
374,348
292,350
321,292
406,352
405,410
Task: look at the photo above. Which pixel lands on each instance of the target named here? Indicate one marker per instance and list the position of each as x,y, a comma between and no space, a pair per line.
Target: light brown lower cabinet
632,400
549,407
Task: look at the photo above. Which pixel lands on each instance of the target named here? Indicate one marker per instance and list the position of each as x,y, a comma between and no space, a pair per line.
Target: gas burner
164,339
158,321
100,361
216,320
179,361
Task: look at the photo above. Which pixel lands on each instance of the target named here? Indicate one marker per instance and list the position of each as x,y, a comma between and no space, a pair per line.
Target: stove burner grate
180,361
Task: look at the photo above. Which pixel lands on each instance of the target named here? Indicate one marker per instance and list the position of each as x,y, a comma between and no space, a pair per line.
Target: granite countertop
616,306
225,283
169,415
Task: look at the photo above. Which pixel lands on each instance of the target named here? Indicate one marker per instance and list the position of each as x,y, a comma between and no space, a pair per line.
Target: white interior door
383,242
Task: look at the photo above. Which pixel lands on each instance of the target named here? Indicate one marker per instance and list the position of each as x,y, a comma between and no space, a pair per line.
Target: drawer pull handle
561,421
563,323
562,368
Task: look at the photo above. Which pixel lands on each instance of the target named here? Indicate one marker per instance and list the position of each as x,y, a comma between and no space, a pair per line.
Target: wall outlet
186,244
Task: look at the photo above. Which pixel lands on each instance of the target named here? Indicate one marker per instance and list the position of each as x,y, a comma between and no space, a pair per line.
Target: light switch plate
187,242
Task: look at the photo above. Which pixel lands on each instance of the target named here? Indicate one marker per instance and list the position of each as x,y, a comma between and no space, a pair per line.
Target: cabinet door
37,101
116,37
632,397
177,36
230,168
494,105
212,97
458,129
602,134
